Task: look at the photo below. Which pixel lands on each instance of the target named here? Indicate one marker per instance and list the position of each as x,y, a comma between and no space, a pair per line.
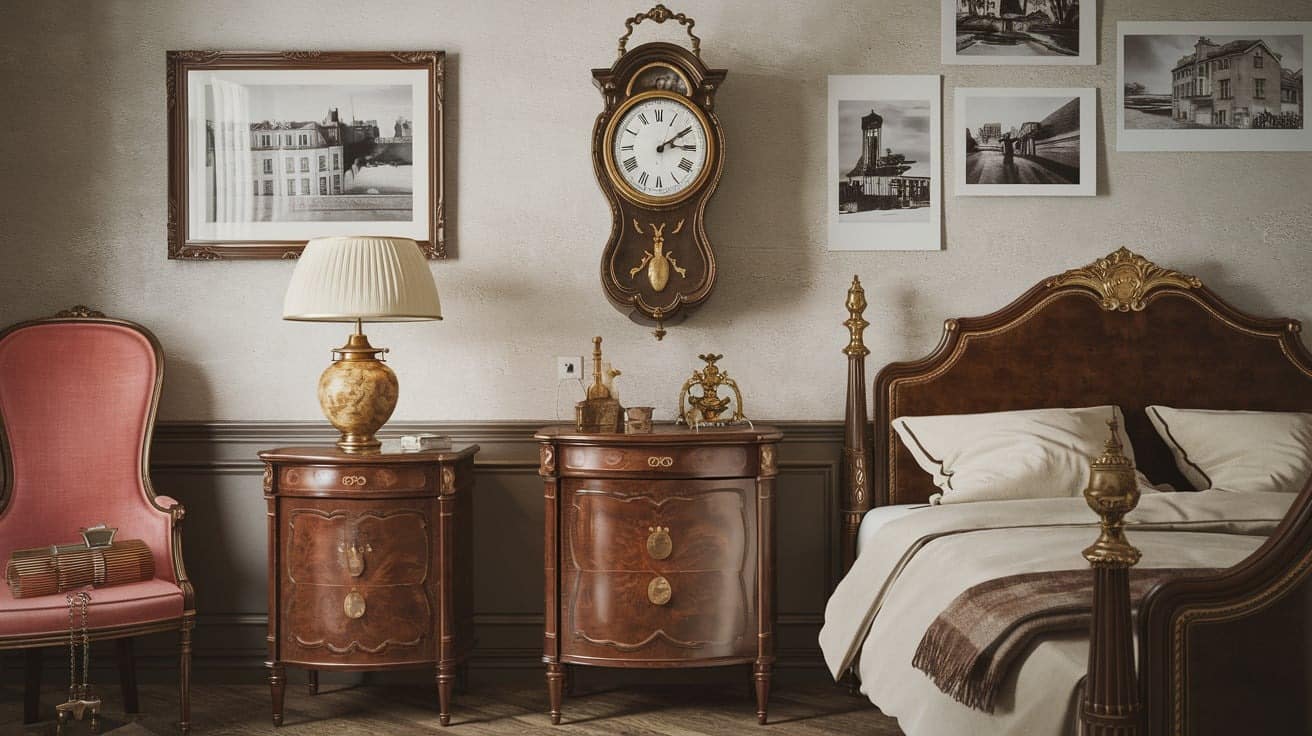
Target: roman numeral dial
657,148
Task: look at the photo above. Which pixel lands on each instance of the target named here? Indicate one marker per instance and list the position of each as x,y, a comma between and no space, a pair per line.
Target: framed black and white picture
1212,86
1020,32
1026,141
269,150
885,140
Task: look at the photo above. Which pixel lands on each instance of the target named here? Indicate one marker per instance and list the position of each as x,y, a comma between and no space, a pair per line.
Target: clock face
659,147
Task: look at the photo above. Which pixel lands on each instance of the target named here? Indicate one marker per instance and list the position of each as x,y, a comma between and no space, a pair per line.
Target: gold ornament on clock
658,152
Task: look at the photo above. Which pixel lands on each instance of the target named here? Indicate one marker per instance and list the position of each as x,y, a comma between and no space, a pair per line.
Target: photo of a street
1022,140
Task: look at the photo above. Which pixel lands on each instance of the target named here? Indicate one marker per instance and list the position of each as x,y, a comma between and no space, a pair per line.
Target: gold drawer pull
355,558
659,544
353,605
660,461
351,481
658,591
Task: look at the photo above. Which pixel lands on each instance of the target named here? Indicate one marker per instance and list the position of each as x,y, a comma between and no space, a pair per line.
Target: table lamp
360,279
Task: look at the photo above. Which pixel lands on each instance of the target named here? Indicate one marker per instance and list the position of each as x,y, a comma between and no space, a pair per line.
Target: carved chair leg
127,675
277,689
184,678
312,682
555,682
32,686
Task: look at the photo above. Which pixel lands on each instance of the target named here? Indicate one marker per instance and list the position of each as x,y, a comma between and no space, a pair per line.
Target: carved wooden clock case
658,152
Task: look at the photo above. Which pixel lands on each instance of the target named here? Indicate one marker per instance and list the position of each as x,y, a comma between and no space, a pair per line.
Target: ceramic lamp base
358,393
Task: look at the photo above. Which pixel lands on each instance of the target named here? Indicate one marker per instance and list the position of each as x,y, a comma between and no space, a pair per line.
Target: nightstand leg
277,688
555,683
446,680
762,674
312,682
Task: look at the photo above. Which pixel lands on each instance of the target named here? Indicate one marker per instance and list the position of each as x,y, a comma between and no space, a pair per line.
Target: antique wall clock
658,152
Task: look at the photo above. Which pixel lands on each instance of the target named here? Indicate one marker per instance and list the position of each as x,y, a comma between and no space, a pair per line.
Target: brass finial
1113,492
598,388
856,325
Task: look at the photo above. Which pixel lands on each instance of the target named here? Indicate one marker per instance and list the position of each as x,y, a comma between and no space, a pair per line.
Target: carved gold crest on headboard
1123,279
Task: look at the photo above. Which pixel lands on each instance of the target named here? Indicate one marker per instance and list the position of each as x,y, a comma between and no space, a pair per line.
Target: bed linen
915,565
877,517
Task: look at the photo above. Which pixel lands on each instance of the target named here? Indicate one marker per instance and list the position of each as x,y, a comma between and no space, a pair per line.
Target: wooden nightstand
369,563
659,551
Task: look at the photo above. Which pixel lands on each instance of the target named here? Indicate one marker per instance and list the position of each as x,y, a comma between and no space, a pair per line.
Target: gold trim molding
1123,279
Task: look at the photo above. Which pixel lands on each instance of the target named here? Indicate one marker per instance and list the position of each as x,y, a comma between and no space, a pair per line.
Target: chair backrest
77,407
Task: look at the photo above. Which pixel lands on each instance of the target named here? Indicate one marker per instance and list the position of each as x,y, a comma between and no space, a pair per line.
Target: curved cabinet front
658,571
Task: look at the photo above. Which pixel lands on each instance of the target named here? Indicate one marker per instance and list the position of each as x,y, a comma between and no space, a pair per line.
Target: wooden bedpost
1111,704
856,499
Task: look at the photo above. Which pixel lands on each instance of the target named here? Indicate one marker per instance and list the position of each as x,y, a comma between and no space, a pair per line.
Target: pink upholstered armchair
78,394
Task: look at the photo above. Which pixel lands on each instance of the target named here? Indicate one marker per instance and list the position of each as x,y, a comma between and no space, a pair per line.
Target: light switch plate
569,368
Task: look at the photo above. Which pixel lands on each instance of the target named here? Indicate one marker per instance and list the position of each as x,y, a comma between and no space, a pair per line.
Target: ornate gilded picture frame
270,149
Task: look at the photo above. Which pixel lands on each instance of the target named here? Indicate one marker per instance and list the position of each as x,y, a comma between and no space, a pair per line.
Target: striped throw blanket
973,644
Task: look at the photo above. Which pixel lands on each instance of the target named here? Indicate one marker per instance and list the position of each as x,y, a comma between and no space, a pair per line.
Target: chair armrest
166,502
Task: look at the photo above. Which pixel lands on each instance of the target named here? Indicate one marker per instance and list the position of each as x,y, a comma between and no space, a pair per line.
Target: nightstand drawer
662,525
356,624
706,461
359,478
344,542
677,615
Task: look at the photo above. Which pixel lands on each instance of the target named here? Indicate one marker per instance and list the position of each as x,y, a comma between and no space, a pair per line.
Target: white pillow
1238,450
1037,453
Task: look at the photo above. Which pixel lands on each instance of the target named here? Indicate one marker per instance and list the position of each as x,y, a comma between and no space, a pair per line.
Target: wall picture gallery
1180,86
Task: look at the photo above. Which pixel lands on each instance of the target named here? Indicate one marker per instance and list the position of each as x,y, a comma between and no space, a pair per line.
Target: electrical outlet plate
569,367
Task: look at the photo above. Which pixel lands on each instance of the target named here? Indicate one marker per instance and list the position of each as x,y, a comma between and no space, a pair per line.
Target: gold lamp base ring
358,393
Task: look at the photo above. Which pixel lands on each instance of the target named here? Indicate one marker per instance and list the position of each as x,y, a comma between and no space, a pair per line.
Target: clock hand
677,136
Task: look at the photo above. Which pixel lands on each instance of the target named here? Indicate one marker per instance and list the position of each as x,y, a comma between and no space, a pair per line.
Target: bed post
1111,704
856,426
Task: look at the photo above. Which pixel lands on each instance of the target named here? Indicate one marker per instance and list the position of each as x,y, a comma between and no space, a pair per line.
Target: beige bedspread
919,563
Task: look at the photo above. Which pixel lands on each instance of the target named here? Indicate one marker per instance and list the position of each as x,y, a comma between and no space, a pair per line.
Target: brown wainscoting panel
211,467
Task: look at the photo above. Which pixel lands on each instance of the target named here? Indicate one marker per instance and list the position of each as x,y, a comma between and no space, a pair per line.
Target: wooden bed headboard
1121,331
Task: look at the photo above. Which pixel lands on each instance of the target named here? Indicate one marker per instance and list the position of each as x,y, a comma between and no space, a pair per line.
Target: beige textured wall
82,200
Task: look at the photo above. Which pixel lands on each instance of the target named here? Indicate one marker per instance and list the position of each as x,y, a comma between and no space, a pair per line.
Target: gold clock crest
658,152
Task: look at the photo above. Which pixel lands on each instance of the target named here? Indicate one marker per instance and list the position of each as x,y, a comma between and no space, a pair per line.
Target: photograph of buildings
1211,86
884,141
316,153
1018,32
888,145
1196,81
1025,141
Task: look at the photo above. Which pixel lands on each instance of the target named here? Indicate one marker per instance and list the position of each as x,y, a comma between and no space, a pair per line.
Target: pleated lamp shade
372,279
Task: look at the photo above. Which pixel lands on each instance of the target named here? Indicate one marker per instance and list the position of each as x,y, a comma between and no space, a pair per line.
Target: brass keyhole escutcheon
353,605
658,591
659,544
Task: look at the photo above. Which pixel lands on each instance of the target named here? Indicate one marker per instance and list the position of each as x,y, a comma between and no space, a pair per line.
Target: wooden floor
804,709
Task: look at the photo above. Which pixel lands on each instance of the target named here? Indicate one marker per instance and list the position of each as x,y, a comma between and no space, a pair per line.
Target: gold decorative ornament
1113,492
657,262
855,322
353,605
658,154
600,411
81,311
707,406
659,591
659,544
1123,280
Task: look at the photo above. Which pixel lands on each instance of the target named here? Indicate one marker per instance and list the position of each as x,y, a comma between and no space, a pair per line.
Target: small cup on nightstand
637,420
